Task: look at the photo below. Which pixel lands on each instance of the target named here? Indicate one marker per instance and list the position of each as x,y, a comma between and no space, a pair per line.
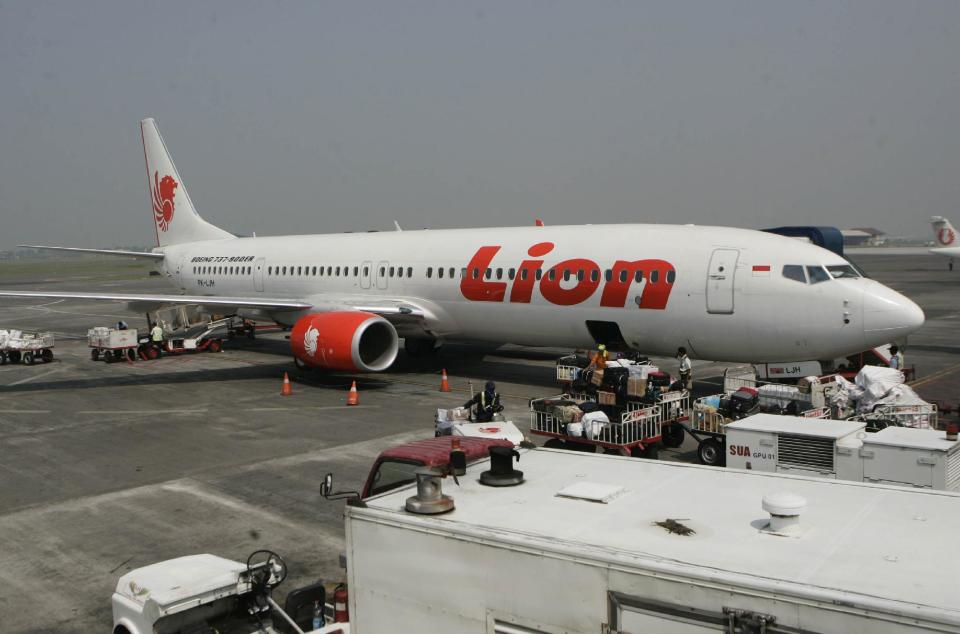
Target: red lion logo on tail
163,192
946,235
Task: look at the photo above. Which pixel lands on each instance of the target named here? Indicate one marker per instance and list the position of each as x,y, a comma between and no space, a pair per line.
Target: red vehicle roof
434,452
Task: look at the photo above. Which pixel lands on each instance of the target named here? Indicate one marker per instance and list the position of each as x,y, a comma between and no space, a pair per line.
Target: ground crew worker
121,325
485,404
686,369
599,361
156,336
896,358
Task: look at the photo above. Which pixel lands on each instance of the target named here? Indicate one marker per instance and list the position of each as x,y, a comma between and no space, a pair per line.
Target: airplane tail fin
175,218
943,232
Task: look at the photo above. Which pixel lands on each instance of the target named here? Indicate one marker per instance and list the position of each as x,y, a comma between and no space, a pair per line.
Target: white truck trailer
841,449
608,544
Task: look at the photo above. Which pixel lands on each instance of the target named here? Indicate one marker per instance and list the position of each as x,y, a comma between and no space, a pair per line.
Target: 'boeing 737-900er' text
724,294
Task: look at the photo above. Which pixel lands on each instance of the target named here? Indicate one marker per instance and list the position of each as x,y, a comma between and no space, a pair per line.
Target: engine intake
345,340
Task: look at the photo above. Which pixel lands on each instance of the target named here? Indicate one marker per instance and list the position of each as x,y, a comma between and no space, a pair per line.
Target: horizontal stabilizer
114,252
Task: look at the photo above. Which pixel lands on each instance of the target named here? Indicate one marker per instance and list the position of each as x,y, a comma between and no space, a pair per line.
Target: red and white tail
943,232
174,215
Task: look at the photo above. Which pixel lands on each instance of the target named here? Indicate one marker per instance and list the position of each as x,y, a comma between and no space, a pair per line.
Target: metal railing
922,416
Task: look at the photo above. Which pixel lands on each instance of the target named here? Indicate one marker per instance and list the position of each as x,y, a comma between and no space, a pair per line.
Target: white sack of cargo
878,379
773,395
594,423
4,336
909,408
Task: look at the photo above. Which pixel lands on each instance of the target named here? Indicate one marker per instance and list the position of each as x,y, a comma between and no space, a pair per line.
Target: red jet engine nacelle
345,340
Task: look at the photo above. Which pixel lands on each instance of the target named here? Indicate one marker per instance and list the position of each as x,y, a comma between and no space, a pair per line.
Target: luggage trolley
28,347
636,433
112,344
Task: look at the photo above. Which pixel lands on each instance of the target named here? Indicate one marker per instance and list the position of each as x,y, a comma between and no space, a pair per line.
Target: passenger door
258,275
720,278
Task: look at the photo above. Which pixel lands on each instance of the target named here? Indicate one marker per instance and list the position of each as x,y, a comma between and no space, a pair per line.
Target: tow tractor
458,422
206,593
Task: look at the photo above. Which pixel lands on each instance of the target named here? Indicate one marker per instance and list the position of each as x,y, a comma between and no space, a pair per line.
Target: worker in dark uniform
686,368
485,404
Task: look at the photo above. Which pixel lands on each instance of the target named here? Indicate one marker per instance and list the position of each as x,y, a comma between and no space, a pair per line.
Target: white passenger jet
725,294
946,238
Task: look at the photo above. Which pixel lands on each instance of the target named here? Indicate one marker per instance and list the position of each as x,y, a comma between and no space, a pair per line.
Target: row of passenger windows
222,270
789,271
817,274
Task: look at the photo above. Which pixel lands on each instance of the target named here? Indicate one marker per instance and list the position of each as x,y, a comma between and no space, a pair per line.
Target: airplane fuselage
721,292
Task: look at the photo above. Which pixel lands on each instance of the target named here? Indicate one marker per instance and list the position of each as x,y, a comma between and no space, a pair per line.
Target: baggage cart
113,344
17,346
635,433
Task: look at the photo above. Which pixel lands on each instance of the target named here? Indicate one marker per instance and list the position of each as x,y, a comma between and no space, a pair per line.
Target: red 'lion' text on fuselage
659,277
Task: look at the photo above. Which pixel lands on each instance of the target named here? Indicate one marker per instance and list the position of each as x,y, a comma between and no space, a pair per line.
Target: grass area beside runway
101,268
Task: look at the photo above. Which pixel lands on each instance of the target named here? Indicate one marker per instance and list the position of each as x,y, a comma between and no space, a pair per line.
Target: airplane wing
141,255
170,300
318,303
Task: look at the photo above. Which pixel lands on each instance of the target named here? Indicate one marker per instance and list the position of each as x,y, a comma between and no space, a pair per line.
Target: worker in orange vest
600,357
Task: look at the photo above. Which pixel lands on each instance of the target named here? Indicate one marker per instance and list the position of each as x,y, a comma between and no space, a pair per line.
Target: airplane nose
888,315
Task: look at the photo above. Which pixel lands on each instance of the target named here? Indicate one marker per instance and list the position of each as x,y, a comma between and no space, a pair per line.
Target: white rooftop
865,539
932,439
797,425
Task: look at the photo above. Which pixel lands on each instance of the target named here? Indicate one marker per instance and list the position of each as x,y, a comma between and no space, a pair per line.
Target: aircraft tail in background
943,232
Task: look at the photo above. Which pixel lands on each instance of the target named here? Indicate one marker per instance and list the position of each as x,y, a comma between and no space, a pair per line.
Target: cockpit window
817,274
794,272
839,271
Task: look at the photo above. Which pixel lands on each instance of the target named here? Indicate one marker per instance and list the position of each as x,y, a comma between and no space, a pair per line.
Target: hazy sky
324,117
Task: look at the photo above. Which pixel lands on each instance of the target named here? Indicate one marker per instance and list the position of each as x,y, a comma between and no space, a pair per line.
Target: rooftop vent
784,509
429,499
502,473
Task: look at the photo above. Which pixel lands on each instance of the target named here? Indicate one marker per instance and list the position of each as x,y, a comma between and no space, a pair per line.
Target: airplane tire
710,453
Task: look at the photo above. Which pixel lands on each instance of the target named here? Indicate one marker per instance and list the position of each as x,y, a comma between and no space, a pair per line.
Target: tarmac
110,467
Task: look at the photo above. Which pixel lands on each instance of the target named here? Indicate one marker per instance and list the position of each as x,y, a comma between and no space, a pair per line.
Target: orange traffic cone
286,390
353,398
444,384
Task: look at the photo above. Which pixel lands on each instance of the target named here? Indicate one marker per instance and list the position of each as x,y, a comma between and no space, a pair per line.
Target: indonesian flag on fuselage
761,270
